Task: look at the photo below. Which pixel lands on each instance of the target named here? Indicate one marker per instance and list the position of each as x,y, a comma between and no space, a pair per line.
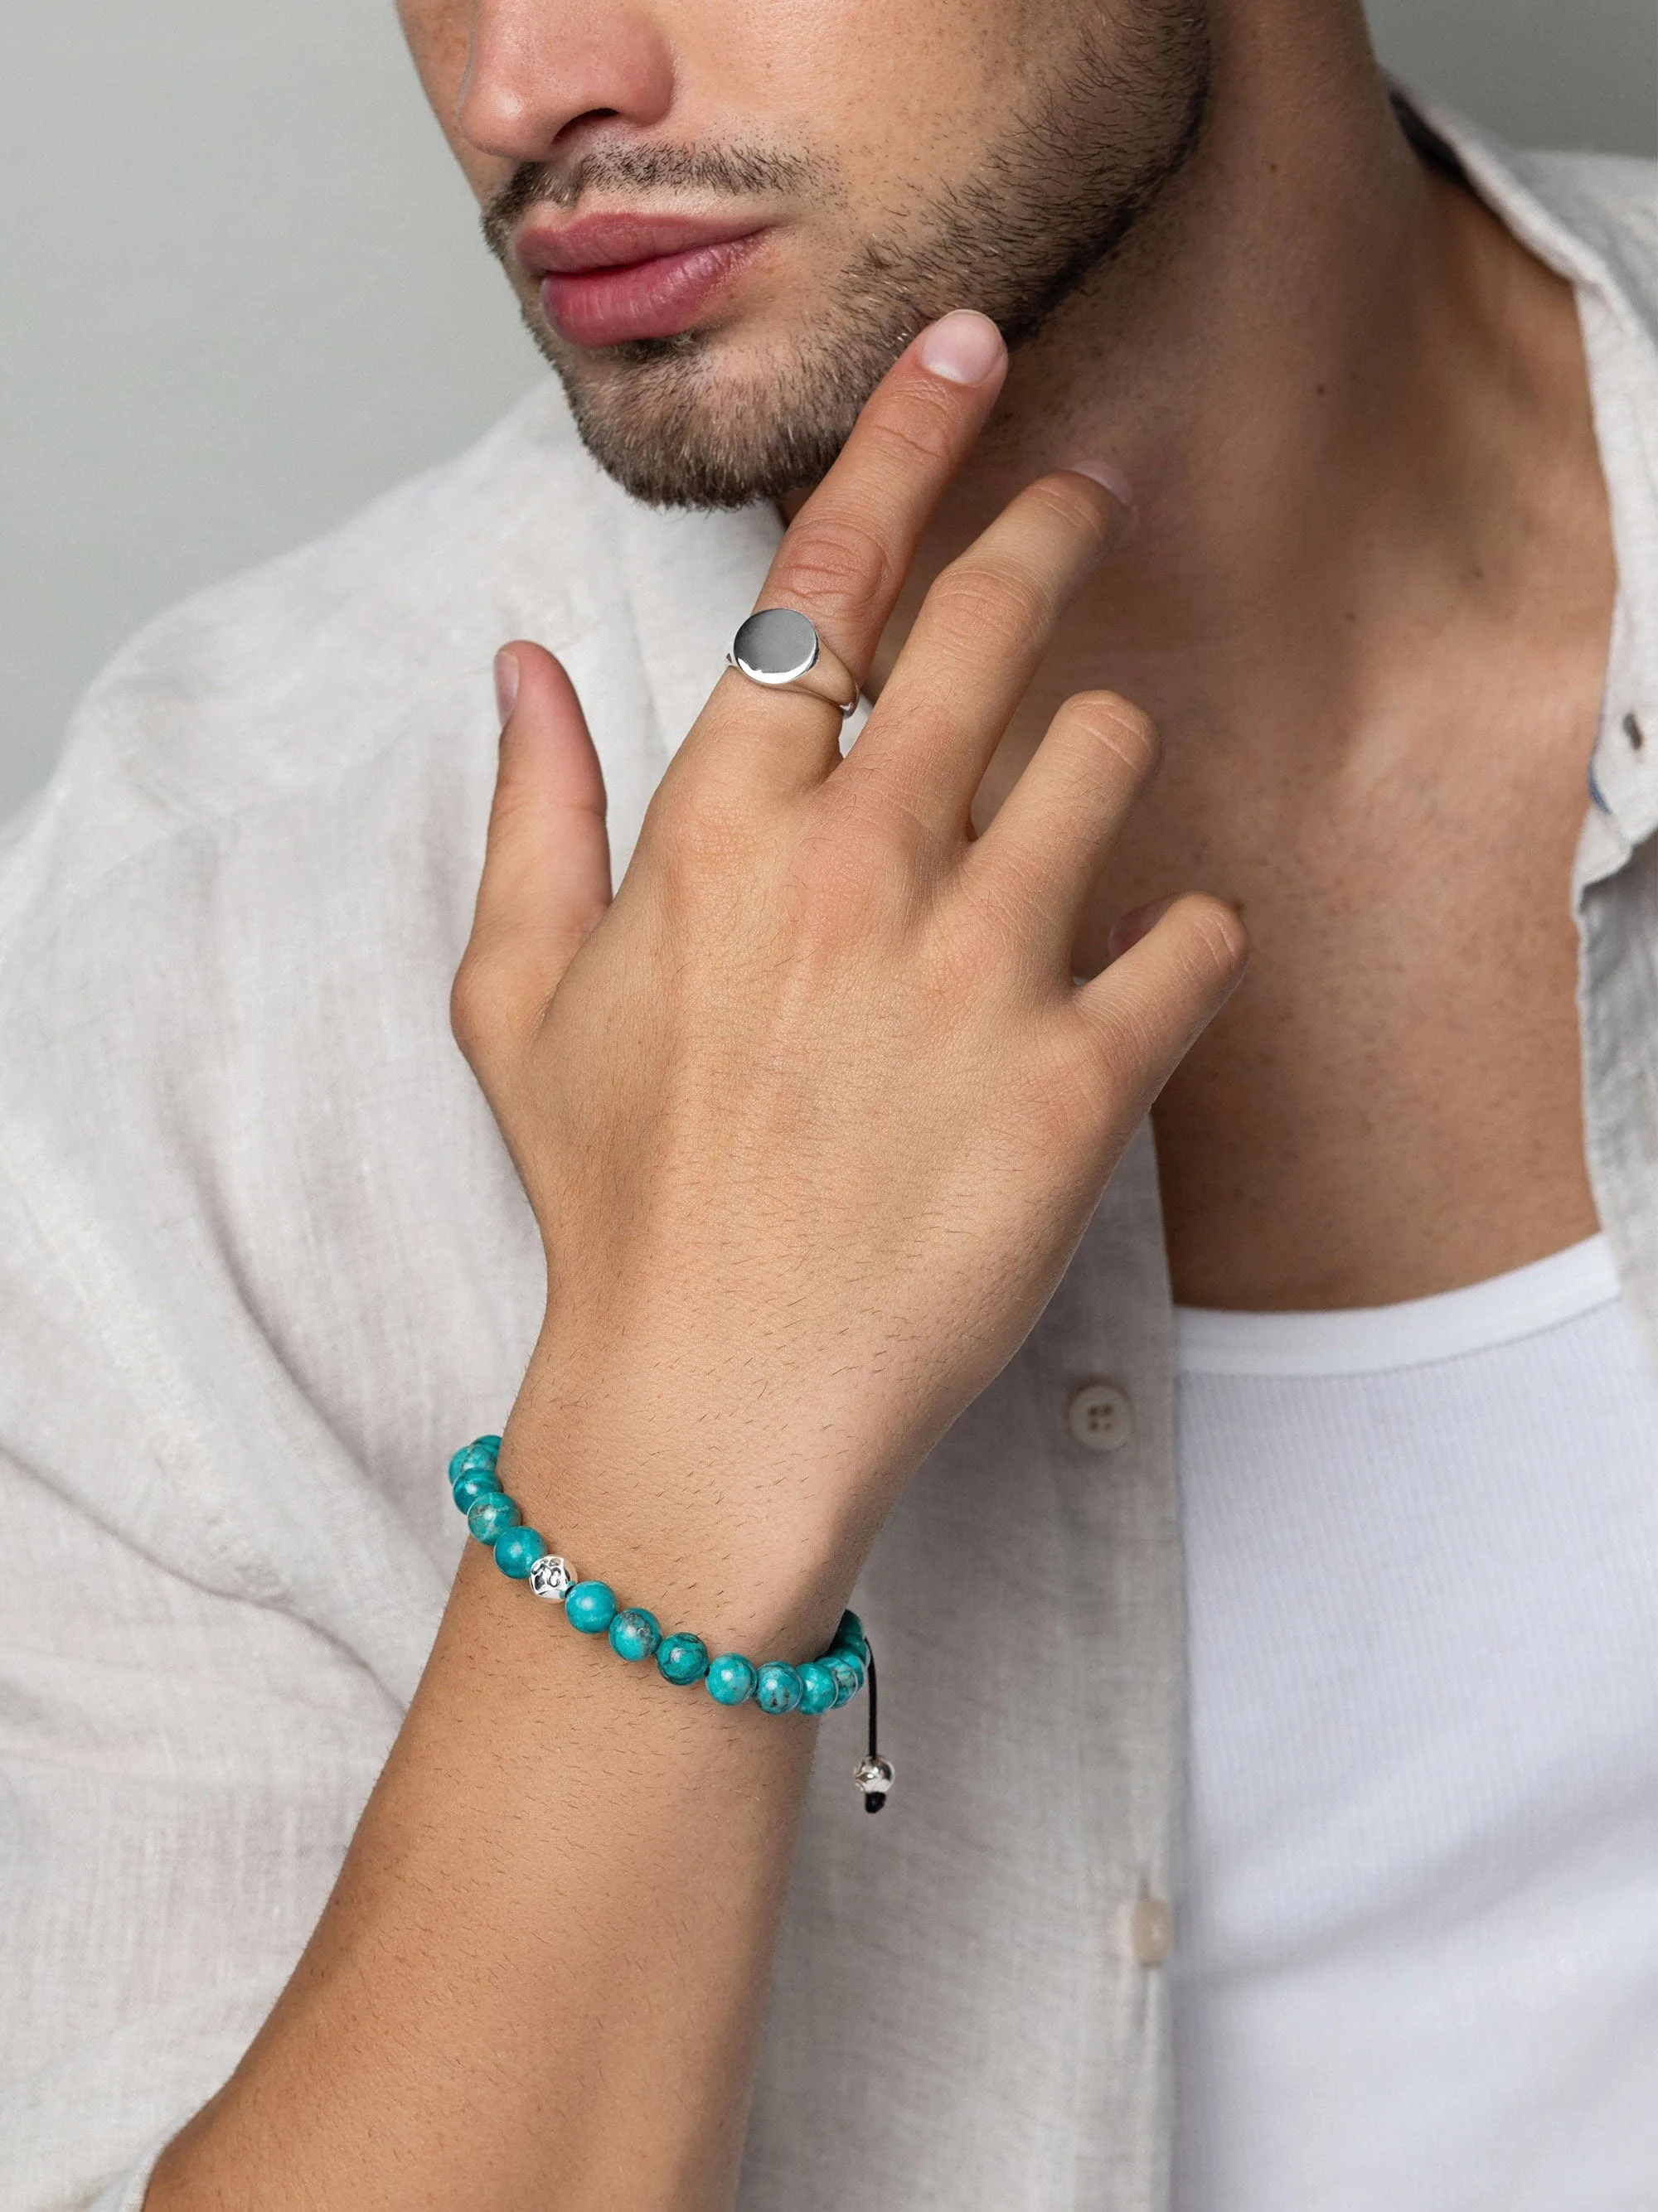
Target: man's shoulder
281,677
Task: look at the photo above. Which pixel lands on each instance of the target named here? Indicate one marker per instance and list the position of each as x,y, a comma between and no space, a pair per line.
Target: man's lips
608,279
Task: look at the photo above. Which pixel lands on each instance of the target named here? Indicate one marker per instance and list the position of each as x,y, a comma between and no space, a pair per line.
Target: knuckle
692,862
1121,726
707,821
985,595
833,564
496,998
916,430
1219,944
874,827
1071,502
470,1007
1017,902
1122,1041
702,848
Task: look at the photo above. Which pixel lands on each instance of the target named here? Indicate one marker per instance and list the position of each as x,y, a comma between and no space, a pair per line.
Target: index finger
845,557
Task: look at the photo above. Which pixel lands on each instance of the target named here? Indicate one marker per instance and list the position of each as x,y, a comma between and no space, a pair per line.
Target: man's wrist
703,1527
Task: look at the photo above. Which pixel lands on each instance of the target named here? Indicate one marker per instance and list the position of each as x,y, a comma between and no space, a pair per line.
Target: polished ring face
776,646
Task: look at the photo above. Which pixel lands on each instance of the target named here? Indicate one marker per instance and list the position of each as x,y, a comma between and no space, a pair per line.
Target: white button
1100,1417
1151,1930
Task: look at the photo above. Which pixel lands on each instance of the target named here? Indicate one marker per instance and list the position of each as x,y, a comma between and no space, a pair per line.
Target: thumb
547,863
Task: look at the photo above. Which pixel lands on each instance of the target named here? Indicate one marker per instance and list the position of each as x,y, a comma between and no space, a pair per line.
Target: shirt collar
1566,210
693,576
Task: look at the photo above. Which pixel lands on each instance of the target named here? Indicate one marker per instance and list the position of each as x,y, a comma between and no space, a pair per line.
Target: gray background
244,289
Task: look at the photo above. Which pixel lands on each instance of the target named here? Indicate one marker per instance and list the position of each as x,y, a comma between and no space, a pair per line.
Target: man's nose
536,69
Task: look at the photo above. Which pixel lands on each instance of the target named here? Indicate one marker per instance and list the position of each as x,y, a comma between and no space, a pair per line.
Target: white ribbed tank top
1416,1964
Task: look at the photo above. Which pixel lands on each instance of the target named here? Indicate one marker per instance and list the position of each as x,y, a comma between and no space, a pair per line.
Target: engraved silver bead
552,1577
874,1777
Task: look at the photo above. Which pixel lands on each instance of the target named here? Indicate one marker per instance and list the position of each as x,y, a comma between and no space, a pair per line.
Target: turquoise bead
470,1457
476,1483
816,1687
517,1551
849,1637
776,1687
591,1607
846,1682
730,1678
850,1659
682,1658
635,1634
491,1516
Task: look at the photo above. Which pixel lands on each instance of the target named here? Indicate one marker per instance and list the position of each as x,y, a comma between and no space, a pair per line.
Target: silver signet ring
781,649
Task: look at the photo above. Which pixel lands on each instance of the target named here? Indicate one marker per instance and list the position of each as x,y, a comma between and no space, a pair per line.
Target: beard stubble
1051,202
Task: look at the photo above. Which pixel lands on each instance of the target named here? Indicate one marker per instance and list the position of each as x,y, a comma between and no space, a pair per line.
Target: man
810,1123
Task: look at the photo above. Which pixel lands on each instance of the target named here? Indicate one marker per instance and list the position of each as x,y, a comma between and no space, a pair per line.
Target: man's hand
813,1115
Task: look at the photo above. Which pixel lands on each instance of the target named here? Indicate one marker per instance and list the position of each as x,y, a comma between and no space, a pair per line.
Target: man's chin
719,418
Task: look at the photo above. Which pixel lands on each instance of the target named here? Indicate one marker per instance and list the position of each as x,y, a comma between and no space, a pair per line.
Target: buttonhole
1635,733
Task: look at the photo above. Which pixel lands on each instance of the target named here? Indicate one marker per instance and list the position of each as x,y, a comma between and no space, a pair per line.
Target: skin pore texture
817,1173
1369,598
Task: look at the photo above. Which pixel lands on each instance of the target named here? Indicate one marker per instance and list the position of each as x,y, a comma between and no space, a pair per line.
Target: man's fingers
1146,1010
546,866
845,557
847,552
975,644
1044,852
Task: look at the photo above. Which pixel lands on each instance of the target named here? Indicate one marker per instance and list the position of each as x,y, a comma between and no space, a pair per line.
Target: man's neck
1306,364
1368,604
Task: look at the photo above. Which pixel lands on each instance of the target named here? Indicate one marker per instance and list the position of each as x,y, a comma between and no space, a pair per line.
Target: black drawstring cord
873,1799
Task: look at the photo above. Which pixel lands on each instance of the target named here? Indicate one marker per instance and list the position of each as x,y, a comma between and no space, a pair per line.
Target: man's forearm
539,1977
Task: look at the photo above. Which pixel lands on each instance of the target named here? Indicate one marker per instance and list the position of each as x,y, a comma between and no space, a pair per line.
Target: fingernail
962,346
1129,928
506,683
1106,473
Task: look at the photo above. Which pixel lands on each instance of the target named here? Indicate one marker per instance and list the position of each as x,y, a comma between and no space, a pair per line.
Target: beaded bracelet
815,1687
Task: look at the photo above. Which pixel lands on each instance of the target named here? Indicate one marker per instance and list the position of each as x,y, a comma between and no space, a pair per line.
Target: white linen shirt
263,1263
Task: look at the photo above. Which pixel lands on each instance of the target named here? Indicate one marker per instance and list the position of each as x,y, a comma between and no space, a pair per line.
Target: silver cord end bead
875,1778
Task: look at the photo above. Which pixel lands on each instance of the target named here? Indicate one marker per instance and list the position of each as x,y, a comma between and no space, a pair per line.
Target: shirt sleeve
128,2192
180,1772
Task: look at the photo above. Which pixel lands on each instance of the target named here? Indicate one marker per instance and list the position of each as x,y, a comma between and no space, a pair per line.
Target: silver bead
874,1777
551,1576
